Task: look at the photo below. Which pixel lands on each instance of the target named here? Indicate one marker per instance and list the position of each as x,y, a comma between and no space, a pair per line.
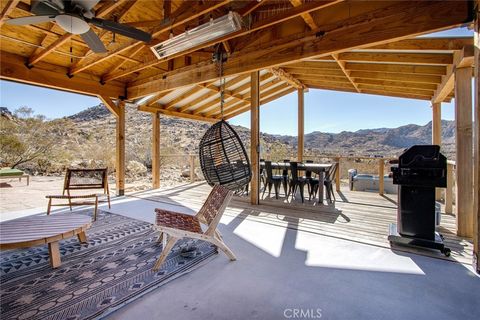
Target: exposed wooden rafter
11,4
342,64
290,14
461,59
287,77
402,20
175,114
181,19
47,75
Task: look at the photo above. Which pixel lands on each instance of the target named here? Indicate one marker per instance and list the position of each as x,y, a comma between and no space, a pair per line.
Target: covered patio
284,47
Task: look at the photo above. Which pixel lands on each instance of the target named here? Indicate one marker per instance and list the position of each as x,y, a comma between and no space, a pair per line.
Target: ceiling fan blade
93,41
30,20
86,4
43,8
122,29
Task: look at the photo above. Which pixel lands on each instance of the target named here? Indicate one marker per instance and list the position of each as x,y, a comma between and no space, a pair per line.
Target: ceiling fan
74,17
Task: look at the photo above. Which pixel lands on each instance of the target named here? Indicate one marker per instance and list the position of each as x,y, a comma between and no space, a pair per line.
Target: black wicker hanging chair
223,157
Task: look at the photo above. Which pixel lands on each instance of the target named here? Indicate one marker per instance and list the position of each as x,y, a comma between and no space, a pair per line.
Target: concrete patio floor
286,273
281,269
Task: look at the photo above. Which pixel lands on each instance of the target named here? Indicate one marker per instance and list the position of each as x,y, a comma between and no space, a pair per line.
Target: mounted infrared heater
213,30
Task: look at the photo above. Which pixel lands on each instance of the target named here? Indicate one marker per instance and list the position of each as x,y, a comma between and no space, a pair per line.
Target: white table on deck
39,229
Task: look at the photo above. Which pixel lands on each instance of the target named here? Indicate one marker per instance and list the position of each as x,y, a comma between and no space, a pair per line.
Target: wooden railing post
192,168
381,185
155,150
120,150
449,189
337,174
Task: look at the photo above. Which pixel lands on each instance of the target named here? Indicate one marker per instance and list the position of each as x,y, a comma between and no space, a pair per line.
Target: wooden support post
437,135
337,174
192,168
464,152
381,168
449,189
120,150
476,163
301,125
155,150
437,124
255,136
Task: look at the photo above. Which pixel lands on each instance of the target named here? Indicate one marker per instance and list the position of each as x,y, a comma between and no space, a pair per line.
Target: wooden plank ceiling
351,46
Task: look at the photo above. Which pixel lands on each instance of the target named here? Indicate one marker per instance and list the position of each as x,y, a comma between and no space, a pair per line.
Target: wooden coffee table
36,230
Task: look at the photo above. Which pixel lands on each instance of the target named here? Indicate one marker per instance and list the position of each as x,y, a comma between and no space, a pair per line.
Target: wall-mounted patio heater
420,170
212,30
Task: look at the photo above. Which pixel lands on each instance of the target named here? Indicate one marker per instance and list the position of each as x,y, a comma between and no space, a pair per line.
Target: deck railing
372,165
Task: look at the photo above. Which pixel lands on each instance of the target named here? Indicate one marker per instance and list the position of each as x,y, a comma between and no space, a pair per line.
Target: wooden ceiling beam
9,6
398,57
250,7
396,76
175,114
232,93
346,72
168,25
263,101
110,105
461,59
153,100
279,18
425,44
265,88
307,17
397,90
184,96
373,92
402,20
55,77
397,68
287,77
397,84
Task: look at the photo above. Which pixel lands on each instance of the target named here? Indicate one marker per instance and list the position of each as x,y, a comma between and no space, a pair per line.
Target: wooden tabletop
315,167
40,229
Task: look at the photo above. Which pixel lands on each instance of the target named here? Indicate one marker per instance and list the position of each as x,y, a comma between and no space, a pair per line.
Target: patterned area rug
114,268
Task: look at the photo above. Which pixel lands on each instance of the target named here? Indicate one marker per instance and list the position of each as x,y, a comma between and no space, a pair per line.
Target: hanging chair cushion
223,157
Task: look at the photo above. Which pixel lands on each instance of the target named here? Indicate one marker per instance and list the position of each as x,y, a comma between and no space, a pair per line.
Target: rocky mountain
182,136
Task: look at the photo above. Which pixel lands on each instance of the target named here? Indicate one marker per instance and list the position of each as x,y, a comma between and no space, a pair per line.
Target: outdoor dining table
318,168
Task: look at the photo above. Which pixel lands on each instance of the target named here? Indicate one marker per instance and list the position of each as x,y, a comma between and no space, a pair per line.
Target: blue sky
326,111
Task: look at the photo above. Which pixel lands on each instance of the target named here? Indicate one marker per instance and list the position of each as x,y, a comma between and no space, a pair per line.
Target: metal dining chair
296,181
327,182
285,177
271,180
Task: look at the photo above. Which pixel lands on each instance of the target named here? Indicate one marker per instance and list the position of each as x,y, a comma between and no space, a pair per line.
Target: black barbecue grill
419,170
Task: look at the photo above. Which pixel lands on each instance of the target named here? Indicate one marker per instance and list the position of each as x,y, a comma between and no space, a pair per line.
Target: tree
27,137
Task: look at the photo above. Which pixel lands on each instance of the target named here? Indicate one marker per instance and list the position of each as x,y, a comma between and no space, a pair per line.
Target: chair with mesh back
87,179
175,225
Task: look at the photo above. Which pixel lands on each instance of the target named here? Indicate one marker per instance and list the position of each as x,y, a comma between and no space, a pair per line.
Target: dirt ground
16,195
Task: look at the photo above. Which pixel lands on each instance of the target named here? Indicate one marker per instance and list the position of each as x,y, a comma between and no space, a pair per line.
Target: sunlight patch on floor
266,237
334,253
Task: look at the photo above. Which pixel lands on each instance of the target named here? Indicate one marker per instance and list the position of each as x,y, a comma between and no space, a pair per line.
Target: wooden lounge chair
179,225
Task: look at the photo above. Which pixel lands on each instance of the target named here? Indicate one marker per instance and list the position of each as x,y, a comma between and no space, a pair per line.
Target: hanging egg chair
223,158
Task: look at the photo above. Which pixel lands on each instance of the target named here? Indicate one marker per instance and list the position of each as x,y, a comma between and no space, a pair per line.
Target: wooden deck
357,216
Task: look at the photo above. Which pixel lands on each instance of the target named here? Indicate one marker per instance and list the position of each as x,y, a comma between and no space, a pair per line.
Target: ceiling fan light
72,24
212,30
